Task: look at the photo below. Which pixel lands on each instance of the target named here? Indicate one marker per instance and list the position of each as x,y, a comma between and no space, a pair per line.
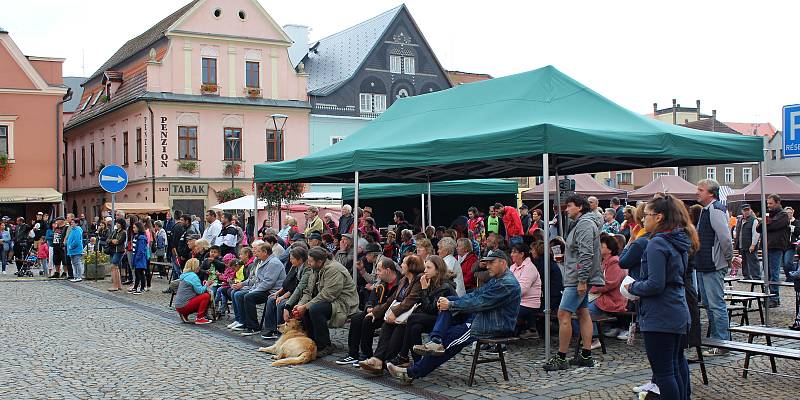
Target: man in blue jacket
494,306
75,250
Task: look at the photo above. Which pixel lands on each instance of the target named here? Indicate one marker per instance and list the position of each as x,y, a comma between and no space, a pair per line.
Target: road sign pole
113,207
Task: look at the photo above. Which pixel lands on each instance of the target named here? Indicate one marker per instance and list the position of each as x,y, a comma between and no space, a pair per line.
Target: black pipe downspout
60,136
152,152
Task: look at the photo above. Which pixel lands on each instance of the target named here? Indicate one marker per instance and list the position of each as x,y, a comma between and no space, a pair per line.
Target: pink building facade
186,105
31,94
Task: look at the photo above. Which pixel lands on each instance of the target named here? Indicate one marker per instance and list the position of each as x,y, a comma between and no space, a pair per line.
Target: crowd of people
482,277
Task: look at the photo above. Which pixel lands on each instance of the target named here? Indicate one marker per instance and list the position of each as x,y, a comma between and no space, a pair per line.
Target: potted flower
209,88
96,263
229,194
188,166
5,166
232,169
274,193
252,92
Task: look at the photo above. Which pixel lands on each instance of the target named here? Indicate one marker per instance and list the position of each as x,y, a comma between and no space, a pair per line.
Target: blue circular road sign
113,178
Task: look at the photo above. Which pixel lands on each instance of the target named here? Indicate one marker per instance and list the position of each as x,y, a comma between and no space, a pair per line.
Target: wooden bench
164,267
760,283
768,333
498,344
760,298
754,349
730,279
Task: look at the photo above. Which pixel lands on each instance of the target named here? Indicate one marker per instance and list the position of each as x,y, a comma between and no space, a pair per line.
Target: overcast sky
738,57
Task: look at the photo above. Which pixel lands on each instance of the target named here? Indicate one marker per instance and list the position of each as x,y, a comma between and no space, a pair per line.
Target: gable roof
753,128
710,125
141,42
333,61
74,83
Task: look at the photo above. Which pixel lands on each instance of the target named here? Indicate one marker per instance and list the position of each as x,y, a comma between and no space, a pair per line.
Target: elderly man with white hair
593,205
346,220
447,247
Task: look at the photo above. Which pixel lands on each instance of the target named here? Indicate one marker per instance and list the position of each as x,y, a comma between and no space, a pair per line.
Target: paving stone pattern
65,340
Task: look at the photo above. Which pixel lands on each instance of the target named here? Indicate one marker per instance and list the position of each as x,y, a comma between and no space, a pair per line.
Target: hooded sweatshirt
662,304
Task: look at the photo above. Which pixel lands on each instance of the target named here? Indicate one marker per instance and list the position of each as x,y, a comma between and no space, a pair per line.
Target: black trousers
390,341
360,335
139,283
251,300
417,324
315,320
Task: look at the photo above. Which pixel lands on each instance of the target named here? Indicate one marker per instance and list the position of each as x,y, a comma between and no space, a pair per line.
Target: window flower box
232,169
188,166
252,92
209,89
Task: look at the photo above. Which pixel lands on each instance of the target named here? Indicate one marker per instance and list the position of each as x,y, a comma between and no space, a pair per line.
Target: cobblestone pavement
65,340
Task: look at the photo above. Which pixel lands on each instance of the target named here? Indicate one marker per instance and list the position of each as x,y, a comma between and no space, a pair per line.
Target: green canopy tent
455,196
533,123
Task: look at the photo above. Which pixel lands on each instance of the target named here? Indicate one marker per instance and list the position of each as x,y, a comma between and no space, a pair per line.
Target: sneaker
346,361
147,289
612,332
493,350
401,362
249,332
231,325
596,344
399,373
77,280
272,335
55,275
644,388
372,365
556,363
131,290
138,292
63,275
795,327
714,352
73,280
238,327
429,349
581,361
201,321
623,335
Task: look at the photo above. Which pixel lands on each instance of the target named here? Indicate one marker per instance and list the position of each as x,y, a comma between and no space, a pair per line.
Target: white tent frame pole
764,244
558,204
546,197
430,208
255,209
422,214
355,228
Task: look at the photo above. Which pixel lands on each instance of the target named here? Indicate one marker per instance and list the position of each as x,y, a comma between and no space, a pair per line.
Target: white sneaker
596,344
613,332
623,335
78,280
644,388
231,325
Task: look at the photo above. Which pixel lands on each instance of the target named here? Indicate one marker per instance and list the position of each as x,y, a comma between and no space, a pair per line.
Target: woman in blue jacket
663,313
5,245
139,263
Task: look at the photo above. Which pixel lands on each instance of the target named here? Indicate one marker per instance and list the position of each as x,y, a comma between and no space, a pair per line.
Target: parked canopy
669,184
500,128
584,184
463,187
781,185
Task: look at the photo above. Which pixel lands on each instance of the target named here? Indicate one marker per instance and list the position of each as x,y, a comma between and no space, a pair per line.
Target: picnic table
761,299
730,279
761,283
759,330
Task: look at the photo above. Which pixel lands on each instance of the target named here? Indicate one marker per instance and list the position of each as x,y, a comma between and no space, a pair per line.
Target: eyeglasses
650,214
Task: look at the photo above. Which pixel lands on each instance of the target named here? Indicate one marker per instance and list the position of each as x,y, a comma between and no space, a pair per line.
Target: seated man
256,289
362,328
328,299
494,306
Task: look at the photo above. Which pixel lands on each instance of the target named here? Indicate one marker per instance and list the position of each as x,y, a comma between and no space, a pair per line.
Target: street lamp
279,122
229,137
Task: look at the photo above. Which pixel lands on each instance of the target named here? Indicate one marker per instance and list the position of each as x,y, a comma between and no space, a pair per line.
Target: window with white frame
4,141
372,103
88,100
683,173
729,175
402,65
747,175
624,178
711,173
336,139
659,174
99,95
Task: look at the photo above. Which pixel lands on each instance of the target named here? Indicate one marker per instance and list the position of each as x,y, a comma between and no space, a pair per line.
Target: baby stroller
28,262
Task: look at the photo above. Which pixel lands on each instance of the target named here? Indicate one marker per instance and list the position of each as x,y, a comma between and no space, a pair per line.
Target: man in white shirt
213,227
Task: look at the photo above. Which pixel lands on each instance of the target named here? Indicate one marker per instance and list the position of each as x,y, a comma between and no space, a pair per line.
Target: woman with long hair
117,244
435,282
663,313
140,260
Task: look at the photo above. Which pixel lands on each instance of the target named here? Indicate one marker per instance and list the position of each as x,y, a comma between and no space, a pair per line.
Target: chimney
698,110
713,120
299,49
674,112
655,108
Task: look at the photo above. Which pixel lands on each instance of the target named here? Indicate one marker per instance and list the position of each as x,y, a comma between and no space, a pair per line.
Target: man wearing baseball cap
747,243
492,307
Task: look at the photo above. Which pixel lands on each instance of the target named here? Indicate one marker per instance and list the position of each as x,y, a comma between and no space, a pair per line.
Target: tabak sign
164,134
188,189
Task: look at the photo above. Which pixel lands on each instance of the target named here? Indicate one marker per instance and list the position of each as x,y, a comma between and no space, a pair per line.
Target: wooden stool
498,345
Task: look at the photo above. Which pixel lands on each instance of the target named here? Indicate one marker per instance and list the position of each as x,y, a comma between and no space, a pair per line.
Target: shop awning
139,208
29,195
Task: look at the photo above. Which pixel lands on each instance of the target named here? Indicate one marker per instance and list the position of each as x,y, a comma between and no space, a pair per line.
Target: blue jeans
238,305
3,257
775,261
788,260
77,265
669,366
711,289
274,315
454,336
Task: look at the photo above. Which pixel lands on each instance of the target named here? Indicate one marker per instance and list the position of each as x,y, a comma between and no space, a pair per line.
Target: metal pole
255,209
764,250
430,214
422,220
113,206
558,203
355,229
546,197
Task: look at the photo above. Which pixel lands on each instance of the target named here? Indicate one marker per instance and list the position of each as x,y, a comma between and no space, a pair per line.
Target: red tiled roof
458,77
753,128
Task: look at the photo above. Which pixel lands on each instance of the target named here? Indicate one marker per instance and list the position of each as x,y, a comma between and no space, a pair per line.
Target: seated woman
276,302
530,283
192,296
556,278
435,282
608,299
407,295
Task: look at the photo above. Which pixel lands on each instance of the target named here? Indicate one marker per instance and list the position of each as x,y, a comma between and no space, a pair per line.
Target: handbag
402,318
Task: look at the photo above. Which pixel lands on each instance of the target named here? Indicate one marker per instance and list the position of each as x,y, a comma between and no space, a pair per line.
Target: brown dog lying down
294,346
